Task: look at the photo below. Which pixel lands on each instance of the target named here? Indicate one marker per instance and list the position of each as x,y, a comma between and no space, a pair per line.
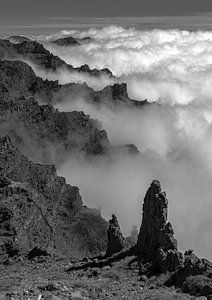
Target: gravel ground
48,279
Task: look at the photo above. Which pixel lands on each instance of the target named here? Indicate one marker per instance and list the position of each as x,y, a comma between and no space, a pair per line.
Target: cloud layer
170,66
173,68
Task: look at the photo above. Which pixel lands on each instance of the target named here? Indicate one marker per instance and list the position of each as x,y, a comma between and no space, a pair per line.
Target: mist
174,136
168,66
172,149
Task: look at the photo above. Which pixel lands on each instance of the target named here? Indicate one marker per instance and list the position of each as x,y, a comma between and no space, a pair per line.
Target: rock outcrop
115,240
70,41
16,79
192,266
156,242
38,209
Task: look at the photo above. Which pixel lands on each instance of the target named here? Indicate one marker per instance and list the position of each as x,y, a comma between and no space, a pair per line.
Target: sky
48,16
100,8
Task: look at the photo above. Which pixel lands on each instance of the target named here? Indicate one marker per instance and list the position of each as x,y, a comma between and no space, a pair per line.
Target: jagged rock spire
156,241
116,241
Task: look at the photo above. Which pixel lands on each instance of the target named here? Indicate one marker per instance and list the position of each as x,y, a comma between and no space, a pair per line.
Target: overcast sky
100,8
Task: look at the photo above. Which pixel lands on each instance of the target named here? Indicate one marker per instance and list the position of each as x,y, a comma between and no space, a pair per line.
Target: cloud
175,145
170,66
174,69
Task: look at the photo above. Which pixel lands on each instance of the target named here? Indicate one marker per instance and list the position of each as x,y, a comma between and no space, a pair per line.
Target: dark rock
116,241
36,252
192,266
38,209
38,55
156,242
70,41
33,126
198,285
38,130
16,78
66,41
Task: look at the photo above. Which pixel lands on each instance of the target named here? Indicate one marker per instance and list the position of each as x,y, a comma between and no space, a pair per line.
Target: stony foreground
48,279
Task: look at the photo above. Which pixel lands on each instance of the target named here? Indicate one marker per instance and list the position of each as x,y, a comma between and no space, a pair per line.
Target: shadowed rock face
156,241
116,242
38,209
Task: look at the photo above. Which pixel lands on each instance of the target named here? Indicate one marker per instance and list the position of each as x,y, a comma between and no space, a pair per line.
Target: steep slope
39,209
52,135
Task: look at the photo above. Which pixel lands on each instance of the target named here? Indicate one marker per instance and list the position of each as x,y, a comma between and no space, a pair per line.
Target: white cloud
164,65
173,68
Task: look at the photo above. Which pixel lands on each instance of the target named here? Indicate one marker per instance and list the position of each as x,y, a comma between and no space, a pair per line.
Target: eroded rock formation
115,240
156,242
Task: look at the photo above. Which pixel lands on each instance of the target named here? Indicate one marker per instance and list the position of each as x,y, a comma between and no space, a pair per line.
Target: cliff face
18,79
47,130
40,130
36,53
39,209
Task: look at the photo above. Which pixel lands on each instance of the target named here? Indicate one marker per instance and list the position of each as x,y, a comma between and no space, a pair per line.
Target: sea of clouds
174,69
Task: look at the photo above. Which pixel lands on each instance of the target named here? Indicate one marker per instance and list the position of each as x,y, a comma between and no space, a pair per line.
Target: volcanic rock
47,135
156,242
36,252
17,39
38,209
70,41
35,53
192,266
116,241
16,78
66,41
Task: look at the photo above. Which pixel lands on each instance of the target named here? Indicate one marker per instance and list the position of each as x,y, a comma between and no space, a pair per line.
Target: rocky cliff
38,208
50,133
18,79
35,52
